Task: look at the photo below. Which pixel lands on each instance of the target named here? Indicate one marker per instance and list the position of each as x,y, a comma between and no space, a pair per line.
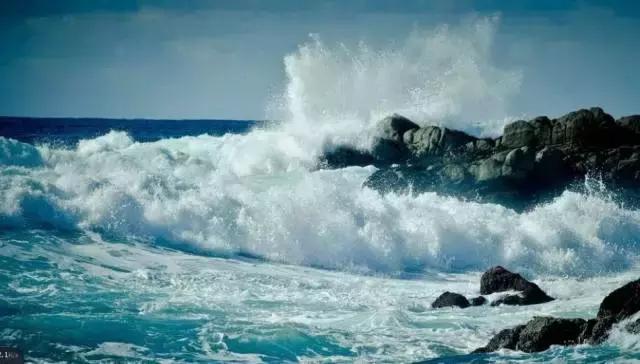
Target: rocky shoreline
540,333
532,161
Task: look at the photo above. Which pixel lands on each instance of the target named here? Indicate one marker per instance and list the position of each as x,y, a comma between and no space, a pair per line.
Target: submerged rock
449,299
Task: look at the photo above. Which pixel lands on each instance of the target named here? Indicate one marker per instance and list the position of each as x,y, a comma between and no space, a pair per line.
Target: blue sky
224,59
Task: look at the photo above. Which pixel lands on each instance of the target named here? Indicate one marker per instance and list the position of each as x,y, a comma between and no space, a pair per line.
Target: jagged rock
531,162
532,295
487,169
549,165
537,335
631,123
499,279
433,140
478,301
542,130
518,163
390,148
449,299
622,302
541,332
505,339
618,305
393,127
518,134
346,156
386,152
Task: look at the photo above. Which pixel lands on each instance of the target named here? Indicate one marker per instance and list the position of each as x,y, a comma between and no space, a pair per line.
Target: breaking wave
259,193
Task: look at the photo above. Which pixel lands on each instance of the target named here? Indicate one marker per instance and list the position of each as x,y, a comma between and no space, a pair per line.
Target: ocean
209,241
219,241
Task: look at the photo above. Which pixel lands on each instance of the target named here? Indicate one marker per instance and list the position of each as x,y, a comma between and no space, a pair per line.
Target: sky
224,59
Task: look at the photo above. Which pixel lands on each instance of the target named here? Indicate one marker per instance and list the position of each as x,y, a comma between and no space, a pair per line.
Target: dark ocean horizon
69,130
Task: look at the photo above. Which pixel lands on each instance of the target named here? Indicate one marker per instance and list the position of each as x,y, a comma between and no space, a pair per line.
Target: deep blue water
68,131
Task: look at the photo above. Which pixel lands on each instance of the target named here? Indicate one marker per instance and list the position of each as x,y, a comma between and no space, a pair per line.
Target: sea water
214,241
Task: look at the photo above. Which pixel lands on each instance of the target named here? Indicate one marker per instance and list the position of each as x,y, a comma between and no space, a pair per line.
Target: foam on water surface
237,248
114,300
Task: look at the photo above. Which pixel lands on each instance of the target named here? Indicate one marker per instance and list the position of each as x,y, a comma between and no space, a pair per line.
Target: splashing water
150,239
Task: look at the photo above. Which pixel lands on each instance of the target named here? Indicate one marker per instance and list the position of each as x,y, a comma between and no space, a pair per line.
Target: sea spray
115,249
186,192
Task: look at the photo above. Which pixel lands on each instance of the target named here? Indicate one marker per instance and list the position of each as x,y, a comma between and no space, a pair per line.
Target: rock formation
532,161
497,279
449,299
541,332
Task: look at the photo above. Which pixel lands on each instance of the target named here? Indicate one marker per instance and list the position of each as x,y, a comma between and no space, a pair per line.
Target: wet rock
505,339
537,335
449,299
588,127
618,305
478,301
518,163
532,295
631,123
532,162
387,152
346,156
518,134
435,141
549,165
541,332
393,127
499,279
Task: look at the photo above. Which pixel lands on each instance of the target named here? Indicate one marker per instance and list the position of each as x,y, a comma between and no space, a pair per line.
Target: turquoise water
229,247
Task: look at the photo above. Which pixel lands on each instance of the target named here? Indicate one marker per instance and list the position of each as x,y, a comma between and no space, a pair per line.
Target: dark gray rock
505,339
386,152
631,123
435,141
393,127
618,305
537,335
622,302
542,332
449,299
347,156
499,279
519,163
518,134
587,127
534,161
532,295
390,148
478,301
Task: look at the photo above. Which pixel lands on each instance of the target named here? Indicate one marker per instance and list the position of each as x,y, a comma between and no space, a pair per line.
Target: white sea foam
190,192
259,193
